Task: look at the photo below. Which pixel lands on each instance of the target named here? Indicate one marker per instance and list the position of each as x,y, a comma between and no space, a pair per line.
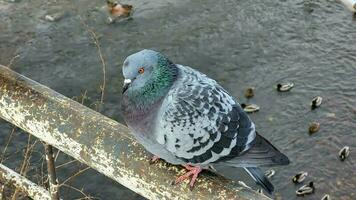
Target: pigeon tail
261,154
263,146
259,177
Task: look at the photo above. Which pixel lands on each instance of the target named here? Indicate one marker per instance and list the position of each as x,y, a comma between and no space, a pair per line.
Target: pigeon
186,118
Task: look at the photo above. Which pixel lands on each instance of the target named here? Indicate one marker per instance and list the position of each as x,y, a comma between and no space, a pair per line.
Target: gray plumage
188,118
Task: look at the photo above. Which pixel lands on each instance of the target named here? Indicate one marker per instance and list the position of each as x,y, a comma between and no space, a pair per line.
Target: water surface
239,43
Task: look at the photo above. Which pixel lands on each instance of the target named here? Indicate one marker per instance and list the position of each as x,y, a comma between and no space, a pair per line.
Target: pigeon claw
153,160
192,171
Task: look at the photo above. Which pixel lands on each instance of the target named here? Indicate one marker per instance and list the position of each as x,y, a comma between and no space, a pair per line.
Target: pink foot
154,159
192,170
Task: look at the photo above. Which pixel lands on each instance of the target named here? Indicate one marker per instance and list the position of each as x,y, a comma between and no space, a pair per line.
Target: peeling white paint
34,191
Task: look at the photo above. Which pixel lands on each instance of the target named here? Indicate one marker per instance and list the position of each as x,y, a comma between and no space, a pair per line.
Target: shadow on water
238,43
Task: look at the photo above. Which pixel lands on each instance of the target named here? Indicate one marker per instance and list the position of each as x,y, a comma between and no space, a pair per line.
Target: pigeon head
147,74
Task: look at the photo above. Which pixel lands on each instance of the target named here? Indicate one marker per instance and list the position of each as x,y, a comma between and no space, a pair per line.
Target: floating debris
344,153
55,15
49,18
298,178
306,189
316,102
117,10
284,87
326,197
270,119
249,93
250,108
314,127
270,173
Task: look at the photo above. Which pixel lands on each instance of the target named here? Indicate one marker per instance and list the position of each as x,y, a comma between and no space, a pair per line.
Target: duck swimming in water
306,189
316,102
284,87
344,153
270,173
117,10
260,191
314,127
249,93
298,178
250,108
326,197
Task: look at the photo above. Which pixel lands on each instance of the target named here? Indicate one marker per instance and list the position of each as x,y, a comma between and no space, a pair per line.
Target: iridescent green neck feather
162,78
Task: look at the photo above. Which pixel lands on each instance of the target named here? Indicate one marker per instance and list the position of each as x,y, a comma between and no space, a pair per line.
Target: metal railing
99,142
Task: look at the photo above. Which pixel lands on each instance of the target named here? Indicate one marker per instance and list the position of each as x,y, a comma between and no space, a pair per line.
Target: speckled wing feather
201,123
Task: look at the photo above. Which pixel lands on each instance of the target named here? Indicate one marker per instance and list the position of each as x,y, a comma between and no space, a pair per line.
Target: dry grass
7,191
74,175
12,60
3,155
103,63
41,173
25,162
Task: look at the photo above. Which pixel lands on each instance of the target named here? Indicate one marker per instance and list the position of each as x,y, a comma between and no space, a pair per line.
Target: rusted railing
101,143
29,188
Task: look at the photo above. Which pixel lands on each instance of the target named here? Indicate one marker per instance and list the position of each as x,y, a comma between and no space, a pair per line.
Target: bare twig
97,44
12,61
81,98
87,198
25,164
53,182
84,198
26,157
7,144
67,163
42,181
57,154
76,189
74,175
95,105
84,96
2,192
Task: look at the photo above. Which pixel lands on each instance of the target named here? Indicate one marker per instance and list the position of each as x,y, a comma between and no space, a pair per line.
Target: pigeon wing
201,123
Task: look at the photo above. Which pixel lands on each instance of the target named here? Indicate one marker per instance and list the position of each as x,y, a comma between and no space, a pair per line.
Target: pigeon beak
127,83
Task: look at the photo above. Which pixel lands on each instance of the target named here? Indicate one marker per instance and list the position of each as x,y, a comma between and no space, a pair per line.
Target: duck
316,102
117,9
314,127
284,87
260,191
250,108
54,17
306,189
326,197
249,93
344,153
299,177
270,173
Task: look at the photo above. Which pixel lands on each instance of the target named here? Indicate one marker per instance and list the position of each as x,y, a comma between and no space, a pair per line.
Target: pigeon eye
141,70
